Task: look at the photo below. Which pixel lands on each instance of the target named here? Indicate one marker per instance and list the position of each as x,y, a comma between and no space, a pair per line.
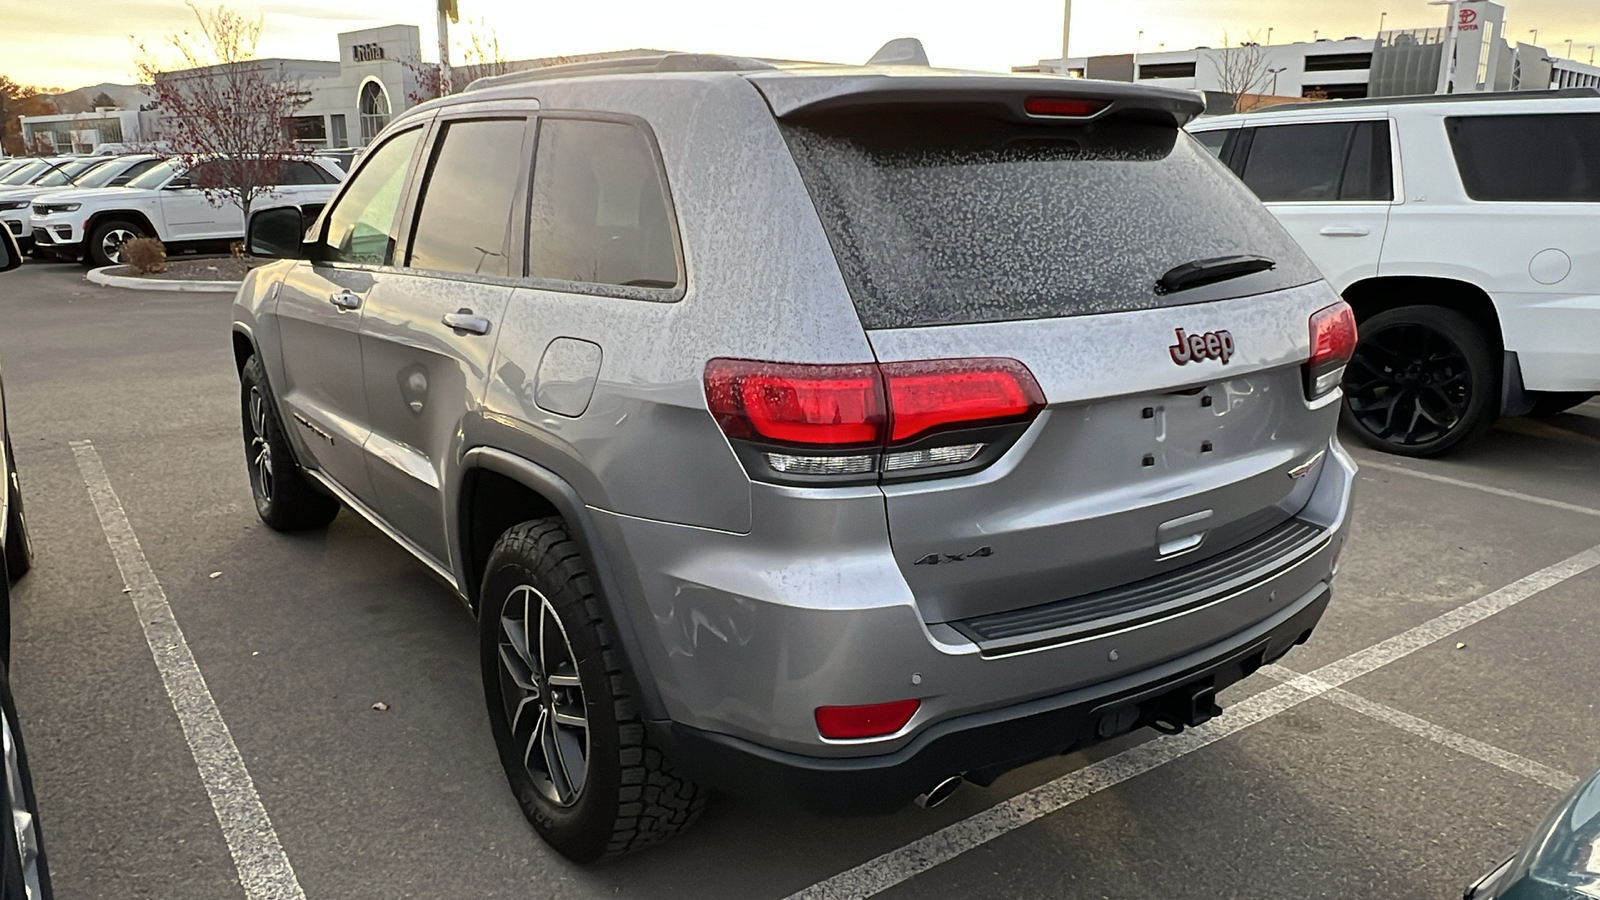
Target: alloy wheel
260,448
23,827
1408,384
111,243
543,696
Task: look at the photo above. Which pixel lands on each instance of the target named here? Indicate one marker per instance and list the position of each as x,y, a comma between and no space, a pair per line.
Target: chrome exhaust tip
939,793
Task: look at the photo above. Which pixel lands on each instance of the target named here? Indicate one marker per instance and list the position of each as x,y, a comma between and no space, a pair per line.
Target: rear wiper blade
1210,271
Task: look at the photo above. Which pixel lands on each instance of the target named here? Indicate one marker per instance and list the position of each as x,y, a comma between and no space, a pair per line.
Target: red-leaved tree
222,109
480,58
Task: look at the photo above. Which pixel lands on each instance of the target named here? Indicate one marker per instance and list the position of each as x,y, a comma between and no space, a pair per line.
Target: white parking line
896,866
1505,759
1472,485
264,870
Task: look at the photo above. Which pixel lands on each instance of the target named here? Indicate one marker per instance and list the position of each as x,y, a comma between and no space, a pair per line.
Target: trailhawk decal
1190,348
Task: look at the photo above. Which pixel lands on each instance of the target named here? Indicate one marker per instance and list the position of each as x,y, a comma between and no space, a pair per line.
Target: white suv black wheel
570,738
1422,382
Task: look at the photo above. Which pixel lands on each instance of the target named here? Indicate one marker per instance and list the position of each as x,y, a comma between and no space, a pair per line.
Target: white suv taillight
1333,342
838,424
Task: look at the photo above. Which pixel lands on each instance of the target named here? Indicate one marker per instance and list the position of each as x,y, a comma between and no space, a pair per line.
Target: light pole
1269,36
1591,54
1275,73
1382,17
1066,33
1535,33
1137,40
1569,48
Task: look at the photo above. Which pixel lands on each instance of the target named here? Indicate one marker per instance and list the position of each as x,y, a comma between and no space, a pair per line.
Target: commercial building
1467,54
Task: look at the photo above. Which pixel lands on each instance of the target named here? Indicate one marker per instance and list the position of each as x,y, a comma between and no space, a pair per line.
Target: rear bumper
984,745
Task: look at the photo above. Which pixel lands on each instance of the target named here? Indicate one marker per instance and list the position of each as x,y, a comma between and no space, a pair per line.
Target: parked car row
86,207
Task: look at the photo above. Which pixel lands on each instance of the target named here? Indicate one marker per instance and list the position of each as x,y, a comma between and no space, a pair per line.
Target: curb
102,276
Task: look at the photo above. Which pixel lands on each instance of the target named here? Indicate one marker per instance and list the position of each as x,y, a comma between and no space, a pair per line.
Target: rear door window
464,224
1213,141
1550,158
1320,162
960,218
599,212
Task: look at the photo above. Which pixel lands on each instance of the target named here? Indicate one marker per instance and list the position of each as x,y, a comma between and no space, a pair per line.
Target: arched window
374,108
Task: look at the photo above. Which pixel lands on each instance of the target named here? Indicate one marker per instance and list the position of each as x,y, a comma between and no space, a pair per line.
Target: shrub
147,255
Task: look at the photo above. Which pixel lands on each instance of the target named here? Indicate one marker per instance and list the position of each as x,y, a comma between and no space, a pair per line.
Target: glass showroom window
374,110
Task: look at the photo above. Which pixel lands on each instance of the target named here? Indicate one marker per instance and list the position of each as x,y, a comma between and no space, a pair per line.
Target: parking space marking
1487,489
264,869
896,866
1505,759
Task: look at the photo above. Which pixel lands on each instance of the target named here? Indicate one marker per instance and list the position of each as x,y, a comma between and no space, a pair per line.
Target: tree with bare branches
480,58
222,107
1241,71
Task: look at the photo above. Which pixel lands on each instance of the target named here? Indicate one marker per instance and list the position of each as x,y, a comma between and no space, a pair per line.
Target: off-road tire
285,498
632,796
1476,365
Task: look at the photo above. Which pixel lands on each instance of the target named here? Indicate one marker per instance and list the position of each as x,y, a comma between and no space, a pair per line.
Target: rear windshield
956,219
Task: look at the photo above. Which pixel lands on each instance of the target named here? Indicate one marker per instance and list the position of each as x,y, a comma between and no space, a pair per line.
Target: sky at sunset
72,43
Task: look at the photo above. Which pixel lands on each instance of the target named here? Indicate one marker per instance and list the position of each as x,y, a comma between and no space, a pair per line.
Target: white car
1465,232
16,203
164,202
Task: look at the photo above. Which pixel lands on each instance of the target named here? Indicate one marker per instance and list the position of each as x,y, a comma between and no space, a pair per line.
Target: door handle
1345,231
464,320
346,300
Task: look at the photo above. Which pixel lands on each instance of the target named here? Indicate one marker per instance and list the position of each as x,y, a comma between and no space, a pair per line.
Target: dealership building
1469,53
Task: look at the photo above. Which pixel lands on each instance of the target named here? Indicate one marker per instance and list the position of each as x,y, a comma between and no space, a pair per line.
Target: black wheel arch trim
240,329
131,215
570,505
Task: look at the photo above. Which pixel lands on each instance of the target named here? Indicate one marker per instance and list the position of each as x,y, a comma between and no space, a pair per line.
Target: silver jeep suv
829,433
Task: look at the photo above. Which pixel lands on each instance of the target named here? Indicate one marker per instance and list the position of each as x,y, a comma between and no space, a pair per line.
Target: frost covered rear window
947,218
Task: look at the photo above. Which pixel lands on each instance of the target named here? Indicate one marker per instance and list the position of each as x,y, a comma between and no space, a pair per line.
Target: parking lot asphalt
1411,767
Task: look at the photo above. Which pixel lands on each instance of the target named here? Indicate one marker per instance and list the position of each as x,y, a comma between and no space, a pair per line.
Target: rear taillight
854,423
1333,342
855,722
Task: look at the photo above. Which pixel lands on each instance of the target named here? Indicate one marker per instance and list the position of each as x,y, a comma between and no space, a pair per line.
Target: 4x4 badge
1196,347
934,559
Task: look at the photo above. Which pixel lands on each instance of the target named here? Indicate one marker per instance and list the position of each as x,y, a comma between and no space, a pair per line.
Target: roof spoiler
1037,100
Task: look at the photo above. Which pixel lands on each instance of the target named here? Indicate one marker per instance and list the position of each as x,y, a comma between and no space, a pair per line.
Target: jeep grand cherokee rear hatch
1164,316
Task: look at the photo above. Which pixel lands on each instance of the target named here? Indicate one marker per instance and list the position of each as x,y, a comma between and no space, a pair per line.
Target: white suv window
1498,162
362,227
1320,161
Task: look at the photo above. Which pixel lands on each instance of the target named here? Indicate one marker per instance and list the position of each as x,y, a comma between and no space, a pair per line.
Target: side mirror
180,183
10,255
277,233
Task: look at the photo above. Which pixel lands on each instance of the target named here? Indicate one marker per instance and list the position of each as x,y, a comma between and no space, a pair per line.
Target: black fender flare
565,499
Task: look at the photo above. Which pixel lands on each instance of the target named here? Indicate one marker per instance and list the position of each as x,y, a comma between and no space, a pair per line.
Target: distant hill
127,96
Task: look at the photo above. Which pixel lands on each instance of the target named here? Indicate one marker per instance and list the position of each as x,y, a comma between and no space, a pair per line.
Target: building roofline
1424,99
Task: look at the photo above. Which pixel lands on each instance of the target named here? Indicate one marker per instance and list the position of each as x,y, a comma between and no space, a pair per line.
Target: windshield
25,173
66,173
97,175
156,177
967,219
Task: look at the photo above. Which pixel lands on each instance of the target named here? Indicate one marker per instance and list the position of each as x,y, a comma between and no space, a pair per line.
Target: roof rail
1415,99
627,65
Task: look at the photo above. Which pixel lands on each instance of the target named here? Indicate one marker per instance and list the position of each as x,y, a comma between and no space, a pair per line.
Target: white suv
1463,232
167,203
